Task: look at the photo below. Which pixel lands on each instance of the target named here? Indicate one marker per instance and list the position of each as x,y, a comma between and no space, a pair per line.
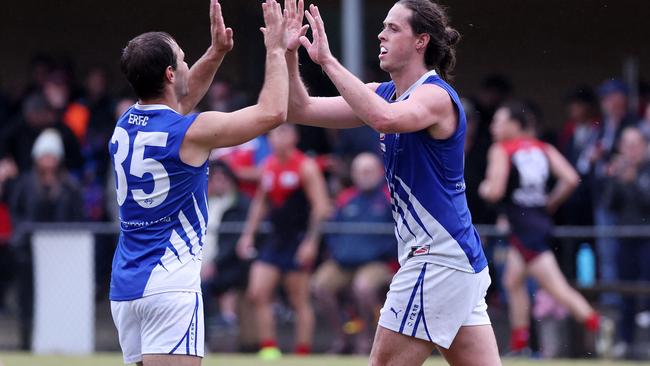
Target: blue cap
612,86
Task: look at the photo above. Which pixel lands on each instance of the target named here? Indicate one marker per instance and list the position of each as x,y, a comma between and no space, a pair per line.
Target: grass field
106,359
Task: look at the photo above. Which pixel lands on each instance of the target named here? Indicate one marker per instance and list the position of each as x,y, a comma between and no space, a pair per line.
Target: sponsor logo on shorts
396,312
413,315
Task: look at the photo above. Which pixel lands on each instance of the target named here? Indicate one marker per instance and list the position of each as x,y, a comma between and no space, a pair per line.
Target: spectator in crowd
96,168
348,143
578,132
614,109
519,168
294,194
8,172
222,97
20,135
224,274
495,89
627,195
40,67
101,121
644,123
58,92
358,261
244,159
582,120
46,193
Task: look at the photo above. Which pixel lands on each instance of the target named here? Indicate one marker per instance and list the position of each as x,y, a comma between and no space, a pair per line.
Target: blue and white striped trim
191,333
419,286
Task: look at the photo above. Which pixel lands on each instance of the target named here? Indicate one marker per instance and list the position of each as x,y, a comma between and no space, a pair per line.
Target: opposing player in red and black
293,196
519,167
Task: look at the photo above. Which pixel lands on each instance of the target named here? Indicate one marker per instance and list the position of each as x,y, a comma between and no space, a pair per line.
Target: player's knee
379,359
258,296
364,289
300,302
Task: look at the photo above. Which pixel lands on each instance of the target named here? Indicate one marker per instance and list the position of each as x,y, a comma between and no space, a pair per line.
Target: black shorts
530,244
230,278
281,252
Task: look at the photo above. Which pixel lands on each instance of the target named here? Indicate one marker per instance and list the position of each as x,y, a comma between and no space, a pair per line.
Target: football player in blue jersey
160,153
437,298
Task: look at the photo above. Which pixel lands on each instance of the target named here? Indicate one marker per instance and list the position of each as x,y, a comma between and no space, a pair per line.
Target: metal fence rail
362,228
566,234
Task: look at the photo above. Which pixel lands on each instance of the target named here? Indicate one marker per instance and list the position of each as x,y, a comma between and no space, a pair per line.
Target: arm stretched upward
429,107
217,129
328,112
203,71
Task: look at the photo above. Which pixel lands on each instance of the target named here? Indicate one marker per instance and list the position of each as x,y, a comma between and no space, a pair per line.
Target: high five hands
294,14
274,30
318,49
222,37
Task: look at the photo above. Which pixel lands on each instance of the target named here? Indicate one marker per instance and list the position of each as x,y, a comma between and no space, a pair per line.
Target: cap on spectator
49,142
612,86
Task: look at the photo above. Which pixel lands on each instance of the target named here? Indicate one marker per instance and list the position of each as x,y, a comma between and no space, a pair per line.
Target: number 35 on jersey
139,167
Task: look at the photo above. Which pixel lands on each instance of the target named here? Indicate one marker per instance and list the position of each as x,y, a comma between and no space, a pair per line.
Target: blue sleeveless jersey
163,205
427,187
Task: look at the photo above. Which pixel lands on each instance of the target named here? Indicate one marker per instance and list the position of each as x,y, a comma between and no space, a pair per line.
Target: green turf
106,359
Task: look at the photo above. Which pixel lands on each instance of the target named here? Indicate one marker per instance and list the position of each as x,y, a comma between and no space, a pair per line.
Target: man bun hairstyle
144,61
431,18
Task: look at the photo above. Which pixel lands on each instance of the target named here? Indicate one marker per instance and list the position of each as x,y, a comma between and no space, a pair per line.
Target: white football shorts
432,302
164,323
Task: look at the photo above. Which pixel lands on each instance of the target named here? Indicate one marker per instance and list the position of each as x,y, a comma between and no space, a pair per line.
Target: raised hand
275,34
222,40
318,49
293,17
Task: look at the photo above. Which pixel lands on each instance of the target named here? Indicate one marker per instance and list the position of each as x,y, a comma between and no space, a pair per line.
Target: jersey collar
419,82
152,107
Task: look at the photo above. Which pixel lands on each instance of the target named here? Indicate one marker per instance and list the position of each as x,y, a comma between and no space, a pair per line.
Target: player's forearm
316,220
200,78
298,94
274,96
490,192
366,104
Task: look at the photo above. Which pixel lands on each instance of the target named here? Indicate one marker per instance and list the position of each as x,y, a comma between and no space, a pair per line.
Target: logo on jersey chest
286,180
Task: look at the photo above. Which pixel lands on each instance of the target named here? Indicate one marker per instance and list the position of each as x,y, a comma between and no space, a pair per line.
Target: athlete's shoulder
127,112
434,92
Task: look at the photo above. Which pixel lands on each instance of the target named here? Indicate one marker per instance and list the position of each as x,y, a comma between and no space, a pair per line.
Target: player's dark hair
144,61
431,18
521,112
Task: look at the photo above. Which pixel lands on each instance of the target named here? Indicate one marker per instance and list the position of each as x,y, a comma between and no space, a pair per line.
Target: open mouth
382,51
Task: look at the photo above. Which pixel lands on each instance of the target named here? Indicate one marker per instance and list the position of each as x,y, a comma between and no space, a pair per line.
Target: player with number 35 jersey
160,151
163,205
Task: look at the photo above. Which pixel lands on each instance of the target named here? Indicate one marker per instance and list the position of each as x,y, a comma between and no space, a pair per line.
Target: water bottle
586,266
